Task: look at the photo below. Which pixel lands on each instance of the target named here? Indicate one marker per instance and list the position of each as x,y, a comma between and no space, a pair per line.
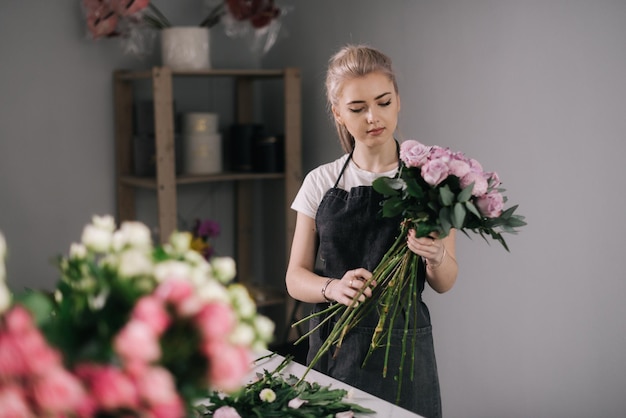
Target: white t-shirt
321,179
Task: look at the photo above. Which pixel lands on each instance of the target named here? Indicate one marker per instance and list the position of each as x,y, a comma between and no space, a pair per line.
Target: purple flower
435,171
413,153
491,204
207,228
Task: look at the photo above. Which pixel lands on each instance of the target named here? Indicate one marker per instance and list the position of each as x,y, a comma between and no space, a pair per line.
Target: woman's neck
378,159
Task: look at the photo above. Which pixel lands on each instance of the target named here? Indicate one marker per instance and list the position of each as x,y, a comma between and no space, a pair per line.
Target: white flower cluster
5,294
129,252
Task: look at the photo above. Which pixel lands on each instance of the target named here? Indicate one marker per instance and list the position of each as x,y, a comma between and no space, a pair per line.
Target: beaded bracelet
324,290
435,266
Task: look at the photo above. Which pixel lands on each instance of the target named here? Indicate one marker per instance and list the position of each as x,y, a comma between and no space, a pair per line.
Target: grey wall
534,89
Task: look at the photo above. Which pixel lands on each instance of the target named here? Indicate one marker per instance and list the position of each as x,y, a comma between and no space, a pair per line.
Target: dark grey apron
353,234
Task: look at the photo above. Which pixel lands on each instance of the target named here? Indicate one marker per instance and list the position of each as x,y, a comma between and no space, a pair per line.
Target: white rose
243,335
224,268
105,222
180,242
171,269
5,297
197,259
134,262
78,251
267,395
242,301
264,327
211,290
133,234
97,239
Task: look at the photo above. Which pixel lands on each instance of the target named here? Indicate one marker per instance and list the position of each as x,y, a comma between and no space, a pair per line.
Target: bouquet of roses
435,190
129,330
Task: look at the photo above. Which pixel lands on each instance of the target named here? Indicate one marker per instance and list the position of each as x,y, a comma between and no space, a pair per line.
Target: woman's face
368,107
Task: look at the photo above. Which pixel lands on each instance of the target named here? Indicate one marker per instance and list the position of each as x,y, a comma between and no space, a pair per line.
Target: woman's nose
371,116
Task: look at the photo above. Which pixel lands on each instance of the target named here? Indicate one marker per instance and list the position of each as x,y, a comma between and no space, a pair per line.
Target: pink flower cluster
34,381
138,342
436,164
103,16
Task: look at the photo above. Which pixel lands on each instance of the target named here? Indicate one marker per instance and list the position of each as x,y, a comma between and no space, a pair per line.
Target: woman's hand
430,247
346,289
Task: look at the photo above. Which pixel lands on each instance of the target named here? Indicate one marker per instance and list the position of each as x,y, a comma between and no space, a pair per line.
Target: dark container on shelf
268,154
240,147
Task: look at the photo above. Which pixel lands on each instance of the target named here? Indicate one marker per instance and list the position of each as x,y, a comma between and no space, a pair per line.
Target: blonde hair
353,61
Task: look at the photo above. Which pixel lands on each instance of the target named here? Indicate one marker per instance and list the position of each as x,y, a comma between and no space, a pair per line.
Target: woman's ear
336,115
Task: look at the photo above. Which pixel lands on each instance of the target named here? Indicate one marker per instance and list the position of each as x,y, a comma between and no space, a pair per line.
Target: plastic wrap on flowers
130,328
257,21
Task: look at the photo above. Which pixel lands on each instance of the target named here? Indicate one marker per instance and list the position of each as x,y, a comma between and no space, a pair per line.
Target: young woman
340,235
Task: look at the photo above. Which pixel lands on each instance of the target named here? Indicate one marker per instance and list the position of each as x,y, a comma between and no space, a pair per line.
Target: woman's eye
385,104
356,110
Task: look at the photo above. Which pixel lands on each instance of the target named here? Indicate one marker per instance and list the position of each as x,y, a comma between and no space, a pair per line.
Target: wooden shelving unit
166,182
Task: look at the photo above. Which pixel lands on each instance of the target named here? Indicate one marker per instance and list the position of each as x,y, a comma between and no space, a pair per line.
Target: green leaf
458,216
465,194
446,195
38,304
393,207
472,208
388,186
445,219
413,188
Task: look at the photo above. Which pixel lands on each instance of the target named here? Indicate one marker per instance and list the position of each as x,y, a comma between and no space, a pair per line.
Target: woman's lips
376,131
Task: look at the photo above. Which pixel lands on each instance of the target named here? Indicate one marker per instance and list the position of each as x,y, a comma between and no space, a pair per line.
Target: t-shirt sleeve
308,198
313,189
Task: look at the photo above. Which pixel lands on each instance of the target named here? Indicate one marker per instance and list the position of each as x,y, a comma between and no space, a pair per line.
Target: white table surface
382,408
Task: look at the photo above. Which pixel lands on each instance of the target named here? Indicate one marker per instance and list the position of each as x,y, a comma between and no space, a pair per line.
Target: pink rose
137,341
475,166
101,20
58,391
172,409
18,320
459,166
12,362
435,171
226,412
490,205
228,365
174,290
439,153
414,153
480,183
157,385
190,306
151,311
110,388
27,353
494,180
13,403
216,320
